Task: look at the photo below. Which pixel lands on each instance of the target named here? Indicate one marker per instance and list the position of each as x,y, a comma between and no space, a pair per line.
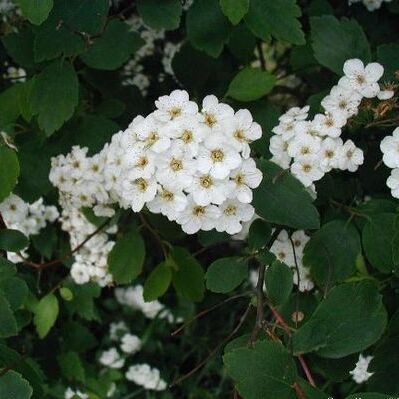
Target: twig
154,233
298,277
261,55
206,311
215,350
260,315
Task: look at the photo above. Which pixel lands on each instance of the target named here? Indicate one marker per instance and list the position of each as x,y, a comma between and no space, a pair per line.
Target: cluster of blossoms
371,5
390,148
14,74
133,298
283,249
311,148
360,373
27,218
192,166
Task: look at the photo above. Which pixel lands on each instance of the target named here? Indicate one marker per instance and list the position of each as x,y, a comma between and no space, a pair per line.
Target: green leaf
259,234
77,337
13,386
251,84
188,279
278,197
82,302
9,105
15,290
55,95
7,269
278,18
265,371
113,47
331,252
160,15
387,55
9,171
225,274
12,240
157,282
369,395
279,282
36,11
242,43
234,9
46,313
19,46
126,258
377,238
335,41
8,324
66,294
207,13
350,319
71,367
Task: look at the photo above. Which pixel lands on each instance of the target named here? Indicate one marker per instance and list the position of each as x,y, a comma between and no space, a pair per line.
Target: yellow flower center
167,195
187,136
210,119
239,135
230,210
142,184
174,112
217,155
206,181
176,165
198,210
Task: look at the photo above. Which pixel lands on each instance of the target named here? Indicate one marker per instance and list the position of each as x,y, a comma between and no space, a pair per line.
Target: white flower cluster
74,394
390,148
133,297
282,249
193,167
29,219
90,261
360,373
371,5
146,376
14,74
311,148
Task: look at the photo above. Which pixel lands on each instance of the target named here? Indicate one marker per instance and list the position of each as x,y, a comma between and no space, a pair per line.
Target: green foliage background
245,52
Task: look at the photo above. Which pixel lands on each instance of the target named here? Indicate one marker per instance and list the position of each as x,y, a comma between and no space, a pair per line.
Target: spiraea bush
199,199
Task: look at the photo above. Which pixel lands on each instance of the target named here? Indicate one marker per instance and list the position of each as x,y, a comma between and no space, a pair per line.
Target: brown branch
214,351
260,314
148,226
206,311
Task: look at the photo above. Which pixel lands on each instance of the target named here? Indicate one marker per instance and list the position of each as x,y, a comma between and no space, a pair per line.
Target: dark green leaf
188,279
234,9
278,18
160,15
157,282
265,371
15,290
71,367
19,46
259,234
242,43
13,386
279,282
207,13
278,197
9,171
55,95
36,11
8,324
7,269
387,55
12,240
46,313
349,320
126,258
113,47
251,84
335,41
225,274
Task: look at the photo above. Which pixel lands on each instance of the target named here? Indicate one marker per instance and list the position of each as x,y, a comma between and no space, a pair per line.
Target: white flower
205,189
80,273
217,157
342,100
147,377
232,213
360,373
149,131
71,394
140,160
117,329
243,179
306,171
304,146
330,124
112,359
385,94
390,148
329,154
169,201
139,191
393,182
213,113
350,157
295,114
278,147
13,209
130,343
175,106
362,79
285,130
196,217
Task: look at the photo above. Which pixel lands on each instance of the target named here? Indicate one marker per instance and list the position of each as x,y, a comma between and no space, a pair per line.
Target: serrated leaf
278,197
350,319
126,258
9,171
55,95
279,282
251,84
113,47
234,9
157,282
188,279
278,18
12,240
265,371
15,290
46,313
8,324
335,41
207,13
13,386
160,15
225,274
331,252
36,11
